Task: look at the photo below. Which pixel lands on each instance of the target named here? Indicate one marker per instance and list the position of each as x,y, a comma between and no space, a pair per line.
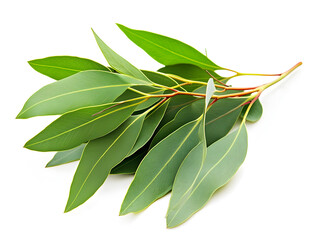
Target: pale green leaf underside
59,67
67,156
195,183
167,51
99,157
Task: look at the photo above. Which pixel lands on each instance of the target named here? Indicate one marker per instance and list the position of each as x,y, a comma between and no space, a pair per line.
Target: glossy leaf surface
195,182
99,157
67,156
59,67
75,128
167,51
119,63
156,173
83,89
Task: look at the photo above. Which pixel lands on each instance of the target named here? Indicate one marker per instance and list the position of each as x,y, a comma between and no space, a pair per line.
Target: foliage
170,128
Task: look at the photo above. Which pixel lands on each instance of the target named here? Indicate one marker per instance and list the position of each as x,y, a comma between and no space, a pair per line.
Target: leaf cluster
170,128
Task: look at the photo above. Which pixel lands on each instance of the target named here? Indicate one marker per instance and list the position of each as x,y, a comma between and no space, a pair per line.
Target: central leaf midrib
72,129
58,67
213,167
102,157
163,166
190,59
73,92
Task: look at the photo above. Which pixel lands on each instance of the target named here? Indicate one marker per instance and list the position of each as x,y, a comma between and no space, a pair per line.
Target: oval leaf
83,89
196,182
59,67
99,157
167,51
255,112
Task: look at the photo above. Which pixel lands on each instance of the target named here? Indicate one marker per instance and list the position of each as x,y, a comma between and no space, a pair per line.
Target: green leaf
99,157
130,94
176,103
220,119
59,67
196,182
151,122
67,156
167,51
131,163
160,78
155,174
255,112
75,128
188,71
84,89
119,63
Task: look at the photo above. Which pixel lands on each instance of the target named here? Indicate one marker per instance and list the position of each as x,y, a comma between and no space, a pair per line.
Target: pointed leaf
255,112
59,67
151,122
67,156
167,51
155,174
195,182
119,63
99,157
75,128
84,89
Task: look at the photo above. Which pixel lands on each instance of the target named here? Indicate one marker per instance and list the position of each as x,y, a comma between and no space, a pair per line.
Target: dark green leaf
255,112
155,174
220,118
176,103
84,89
99,157
74,128
59,67
67,156
119,63
196,181
167,51
187,71
130,164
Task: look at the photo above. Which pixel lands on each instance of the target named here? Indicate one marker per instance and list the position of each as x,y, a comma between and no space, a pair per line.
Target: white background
274,195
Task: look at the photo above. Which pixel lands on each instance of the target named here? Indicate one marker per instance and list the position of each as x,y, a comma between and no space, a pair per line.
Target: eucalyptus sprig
169,128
